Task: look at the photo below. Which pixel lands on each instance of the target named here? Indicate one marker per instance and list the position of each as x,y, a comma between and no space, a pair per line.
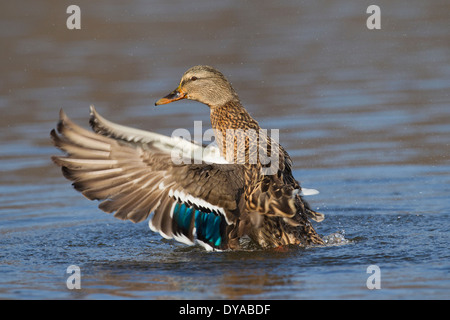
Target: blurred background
365,115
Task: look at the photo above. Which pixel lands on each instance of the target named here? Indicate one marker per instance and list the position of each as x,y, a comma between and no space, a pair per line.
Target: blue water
364,115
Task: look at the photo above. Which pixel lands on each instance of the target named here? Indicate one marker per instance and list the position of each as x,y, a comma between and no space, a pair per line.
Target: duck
218,195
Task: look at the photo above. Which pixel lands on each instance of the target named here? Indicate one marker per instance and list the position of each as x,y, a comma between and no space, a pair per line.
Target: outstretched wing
134,177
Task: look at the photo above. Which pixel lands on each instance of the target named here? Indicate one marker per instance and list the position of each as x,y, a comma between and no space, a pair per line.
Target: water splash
336,239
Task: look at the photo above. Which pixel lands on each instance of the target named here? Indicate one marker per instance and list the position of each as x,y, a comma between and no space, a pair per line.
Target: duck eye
194,78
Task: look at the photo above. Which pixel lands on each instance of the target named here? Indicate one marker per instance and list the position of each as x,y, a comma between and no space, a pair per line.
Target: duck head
203,84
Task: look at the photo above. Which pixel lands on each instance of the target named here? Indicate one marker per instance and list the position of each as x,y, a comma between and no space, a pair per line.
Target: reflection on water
364,114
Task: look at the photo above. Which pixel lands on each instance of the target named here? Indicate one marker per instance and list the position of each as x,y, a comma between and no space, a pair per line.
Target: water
364,114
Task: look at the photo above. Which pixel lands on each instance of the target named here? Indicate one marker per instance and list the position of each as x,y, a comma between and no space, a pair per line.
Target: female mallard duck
212,202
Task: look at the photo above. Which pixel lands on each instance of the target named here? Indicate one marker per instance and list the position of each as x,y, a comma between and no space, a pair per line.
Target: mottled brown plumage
133,174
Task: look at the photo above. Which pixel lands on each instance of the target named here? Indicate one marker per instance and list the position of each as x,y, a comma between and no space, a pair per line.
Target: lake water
364,114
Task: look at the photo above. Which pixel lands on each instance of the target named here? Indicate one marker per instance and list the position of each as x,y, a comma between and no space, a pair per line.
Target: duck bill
175,95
